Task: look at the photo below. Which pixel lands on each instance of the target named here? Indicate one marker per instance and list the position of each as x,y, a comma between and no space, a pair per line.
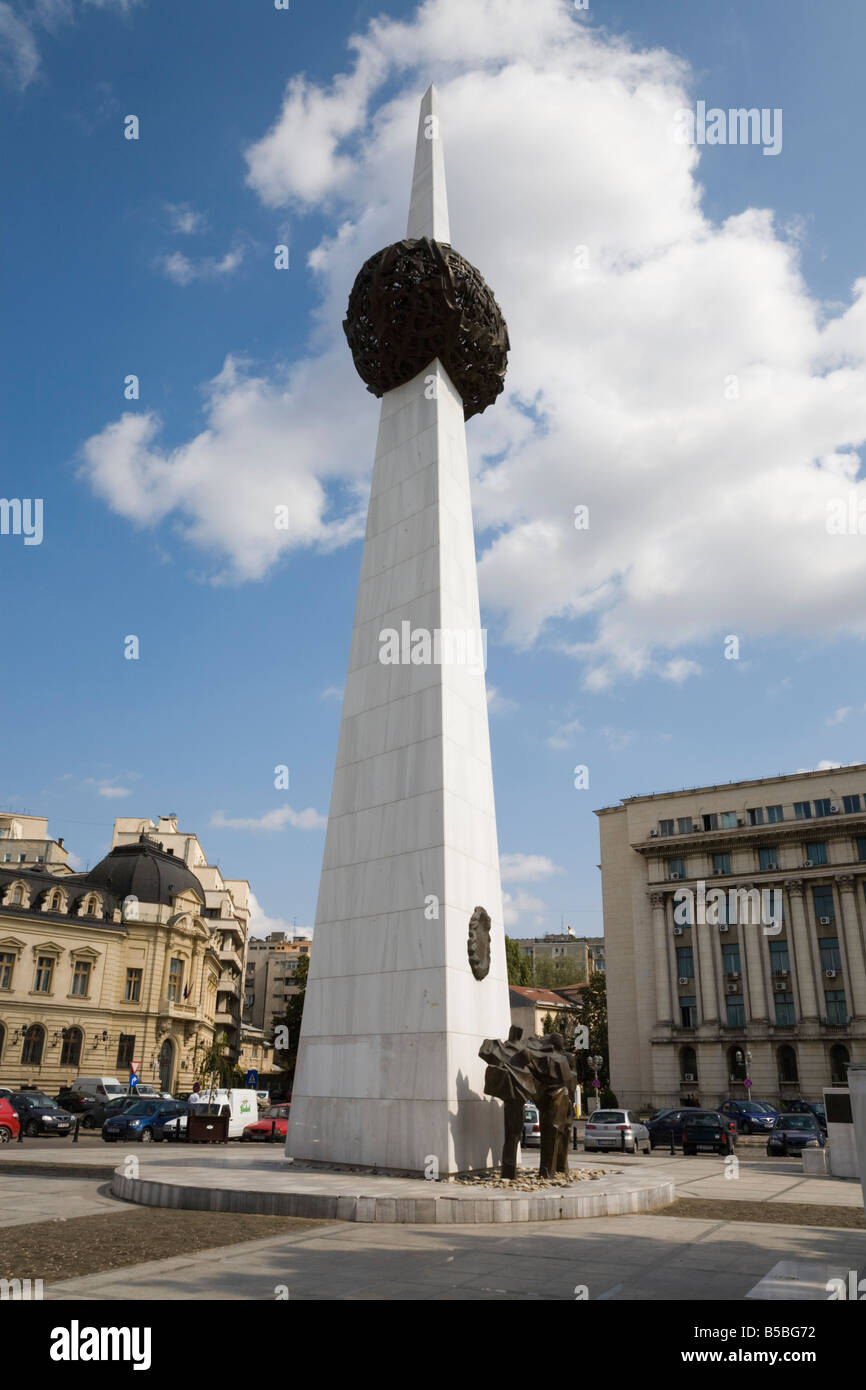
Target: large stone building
701,997
586,952
272,963
131,962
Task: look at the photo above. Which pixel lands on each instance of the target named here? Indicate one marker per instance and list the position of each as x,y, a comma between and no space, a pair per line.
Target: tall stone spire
407,968
428,205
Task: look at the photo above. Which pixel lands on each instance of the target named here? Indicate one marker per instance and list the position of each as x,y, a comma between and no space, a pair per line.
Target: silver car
615,1129
531,1125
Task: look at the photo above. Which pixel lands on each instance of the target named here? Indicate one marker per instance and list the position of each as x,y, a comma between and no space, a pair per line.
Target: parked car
276,1115
749,1116
616,1129
663,1123
74,1102
531,1125
39,1114
243,1106
9,1123
95,1115
707,1130
792,1132
143,1121
98,1086
809,1107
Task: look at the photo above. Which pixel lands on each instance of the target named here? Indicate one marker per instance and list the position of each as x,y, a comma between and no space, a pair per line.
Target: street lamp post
595,1062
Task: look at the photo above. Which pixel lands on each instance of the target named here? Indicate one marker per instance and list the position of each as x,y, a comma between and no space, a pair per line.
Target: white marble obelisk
388,1070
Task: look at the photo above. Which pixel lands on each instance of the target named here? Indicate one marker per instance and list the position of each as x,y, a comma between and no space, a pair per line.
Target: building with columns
734,929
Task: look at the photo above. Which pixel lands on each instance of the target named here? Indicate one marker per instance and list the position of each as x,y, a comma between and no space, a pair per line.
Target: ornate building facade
734,927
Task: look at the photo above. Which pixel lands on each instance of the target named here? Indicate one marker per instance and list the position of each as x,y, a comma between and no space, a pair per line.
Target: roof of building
146,871
526,994
821,772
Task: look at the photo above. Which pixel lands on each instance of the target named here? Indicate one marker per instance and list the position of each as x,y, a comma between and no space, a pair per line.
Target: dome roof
146,871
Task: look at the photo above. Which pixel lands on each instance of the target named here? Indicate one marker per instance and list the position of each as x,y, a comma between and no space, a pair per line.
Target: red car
273,1121
9,1125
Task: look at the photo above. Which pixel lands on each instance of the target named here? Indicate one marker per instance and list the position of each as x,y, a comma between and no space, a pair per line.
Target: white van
242,1107
103,1087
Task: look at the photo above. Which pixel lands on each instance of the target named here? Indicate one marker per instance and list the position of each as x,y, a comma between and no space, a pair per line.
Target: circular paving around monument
267,1184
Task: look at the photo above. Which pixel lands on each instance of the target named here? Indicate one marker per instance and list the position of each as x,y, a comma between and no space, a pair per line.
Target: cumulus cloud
271,820
19,25
526,868
261,925
672,374
185,220
183,270
517,906
497,703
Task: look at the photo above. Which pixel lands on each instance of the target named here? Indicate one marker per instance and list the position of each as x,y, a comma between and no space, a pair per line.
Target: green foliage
286,1059
215,1069
519,965
608,1099
555,974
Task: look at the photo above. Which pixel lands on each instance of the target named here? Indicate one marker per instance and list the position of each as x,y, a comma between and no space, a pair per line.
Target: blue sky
606,648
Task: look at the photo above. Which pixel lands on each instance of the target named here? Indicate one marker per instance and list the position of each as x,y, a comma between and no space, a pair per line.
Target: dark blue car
749,1116
143,1121
791,1133
665,1122
809,1107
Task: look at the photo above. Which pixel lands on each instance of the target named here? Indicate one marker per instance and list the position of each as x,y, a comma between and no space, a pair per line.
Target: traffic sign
747,1082
133,1081
252,1080
596,1083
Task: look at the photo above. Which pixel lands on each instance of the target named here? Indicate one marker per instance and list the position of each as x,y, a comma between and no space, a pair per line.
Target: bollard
673,1145
574,1138
273,1131
77,1127
20,1130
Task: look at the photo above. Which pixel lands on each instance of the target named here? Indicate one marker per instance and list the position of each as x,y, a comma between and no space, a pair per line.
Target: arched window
34,1044
839,1059
688,1064
70,1053
787,1062
17,895
56,900
737,1065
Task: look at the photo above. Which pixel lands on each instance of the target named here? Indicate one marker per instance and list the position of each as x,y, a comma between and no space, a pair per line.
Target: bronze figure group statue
537,1070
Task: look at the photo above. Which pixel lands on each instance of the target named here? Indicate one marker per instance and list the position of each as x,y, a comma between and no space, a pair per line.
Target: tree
290,1023
519,965
216,1070
555,974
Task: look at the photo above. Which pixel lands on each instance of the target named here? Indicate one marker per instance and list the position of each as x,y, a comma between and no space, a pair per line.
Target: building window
850,804
767,859
837,1009
785,1016
688,1011
779,958
676,868
685,825
839,1060
731,959
822,806
16,898
56,900
7,965
736,1013
787,1060
822,901
803,810
711,822
729,820
34,1042
688,1064
666,827
861,848
685,963
132,992
721,863
756,815
830,956
70,1052
817,852
44,972
175,979
81,978
775,814
125,1051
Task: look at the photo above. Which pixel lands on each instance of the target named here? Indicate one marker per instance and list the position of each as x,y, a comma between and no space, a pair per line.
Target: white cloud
840,715
261,925
183,270
563,734
108,787
526,868
333,692
825,765
19,55
272,820
707,504
515,907
497,703
185,220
